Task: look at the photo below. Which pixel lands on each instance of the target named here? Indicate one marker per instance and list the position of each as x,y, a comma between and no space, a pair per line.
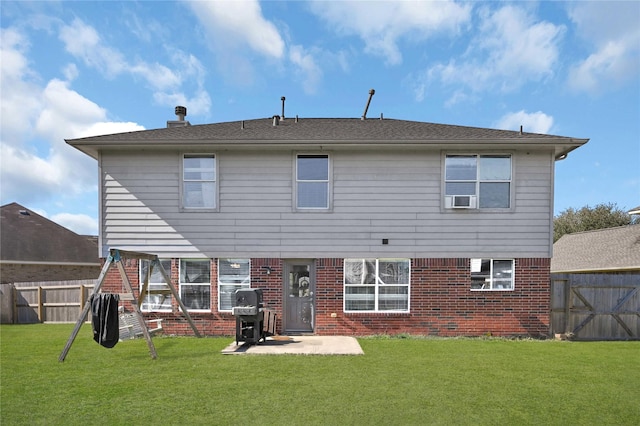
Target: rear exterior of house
349,226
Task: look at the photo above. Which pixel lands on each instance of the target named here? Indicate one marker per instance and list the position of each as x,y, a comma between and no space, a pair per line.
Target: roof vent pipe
181,112
276,120
282,99
366,108
520,129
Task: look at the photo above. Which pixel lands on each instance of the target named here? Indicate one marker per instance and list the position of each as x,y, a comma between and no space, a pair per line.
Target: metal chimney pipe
282,99
364,115
181,112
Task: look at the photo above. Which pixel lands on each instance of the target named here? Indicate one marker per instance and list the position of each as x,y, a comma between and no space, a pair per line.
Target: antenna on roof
366,108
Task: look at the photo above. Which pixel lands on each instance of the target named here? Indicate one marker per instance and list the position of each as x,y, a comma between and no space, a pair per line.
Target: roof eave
594,270
562,147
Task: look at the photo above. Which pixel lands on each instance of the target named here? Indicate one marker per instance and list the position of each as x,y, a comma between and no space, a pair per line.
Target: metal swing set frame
115,258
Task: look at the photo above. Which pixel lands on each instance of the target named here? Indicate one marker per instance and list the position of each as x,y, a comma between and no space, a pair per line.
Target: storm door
299,288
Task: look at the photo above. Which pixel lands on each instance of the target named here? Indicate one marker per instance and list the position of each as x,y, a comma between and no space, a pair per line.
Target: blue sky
80,68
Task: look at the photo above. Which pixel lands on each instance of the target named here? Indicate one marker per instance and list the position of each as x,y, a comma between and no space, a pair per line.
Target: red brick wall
441,302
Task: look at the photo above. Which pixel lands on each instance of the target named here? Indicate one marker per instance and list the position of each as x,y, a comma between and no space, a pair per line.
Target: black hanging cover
104,319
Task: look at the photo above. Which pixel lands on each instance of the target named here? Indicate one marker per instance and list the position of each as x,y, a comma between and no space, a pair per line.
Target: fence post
82,298
15,305
40,310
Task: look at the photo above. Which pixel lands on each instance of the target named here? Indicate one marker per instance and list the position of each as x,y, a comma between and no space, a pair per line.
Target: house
604,250
33,248
348,225
595,284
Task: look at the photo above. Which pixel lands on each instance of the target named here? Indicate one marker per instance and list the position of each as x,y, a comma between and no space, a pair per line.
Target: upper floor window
478,180
158,296
492,274
233,274
195,283
376,285
199,181
312,181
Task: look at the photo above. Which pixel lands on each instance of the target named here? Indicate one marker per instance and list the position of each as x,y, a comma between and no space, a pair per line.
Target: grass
397,382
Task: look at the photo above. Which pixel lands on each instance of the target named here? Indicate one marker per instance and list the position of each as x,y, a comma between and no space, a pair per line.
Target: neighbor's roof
635,210
27,237
611,249
325,131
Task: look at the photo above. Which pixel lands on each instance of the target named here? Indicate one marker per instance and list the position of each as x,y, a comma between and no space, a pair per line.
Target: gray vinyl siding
394,195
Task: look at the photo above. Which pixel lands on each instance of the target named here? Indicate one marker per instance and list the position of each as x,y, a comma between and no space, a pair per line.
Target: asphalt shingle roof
601,250
325,130
25,236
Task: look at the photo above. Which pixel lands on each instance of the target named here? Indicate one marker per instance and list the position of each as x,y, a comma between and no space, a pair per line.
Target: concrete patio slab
300,345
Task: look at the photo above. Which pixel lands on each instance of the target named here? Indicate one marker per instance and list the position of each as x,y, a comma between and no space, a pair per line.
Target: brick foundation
441,302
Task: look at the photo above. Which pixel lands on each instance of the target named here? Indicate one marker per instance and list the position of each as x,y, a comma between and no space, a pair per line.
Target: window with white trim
199,181
195,284
233,275
487,177
312,181
376,285
492,274
158,296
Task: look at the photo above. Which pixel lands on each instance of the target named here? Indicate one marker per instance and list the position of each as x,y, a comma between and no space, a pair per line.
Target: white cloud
84,42
36,164
235,23
235,31
613,31
382,25
19,91
531,122
510,48
310,72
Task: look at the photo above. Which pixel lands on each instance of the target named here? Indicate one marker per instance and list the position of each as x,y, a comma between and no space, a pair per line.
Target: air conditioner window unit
460,201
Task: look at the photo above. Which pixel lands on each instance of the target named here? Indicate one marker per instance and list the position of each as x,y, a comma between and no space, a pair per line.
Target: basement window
233,275
158,297
492,274
195,284
376,285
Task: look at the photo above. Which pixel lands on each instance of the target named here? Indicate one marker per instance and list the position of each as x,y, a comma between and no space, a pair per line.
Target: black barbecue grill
248,309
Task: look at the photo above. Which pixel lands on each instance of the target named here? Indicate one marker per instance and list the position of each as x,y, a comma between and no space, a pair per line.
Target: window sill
492,289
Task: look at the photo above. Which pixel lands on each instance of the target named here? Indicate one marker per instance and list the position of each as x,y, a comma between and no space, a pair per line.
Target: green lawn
397,382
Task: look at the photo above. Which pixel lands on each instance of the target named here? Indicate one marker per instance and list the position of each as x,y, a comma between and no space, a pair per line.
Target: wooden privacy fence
47,301
596,306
